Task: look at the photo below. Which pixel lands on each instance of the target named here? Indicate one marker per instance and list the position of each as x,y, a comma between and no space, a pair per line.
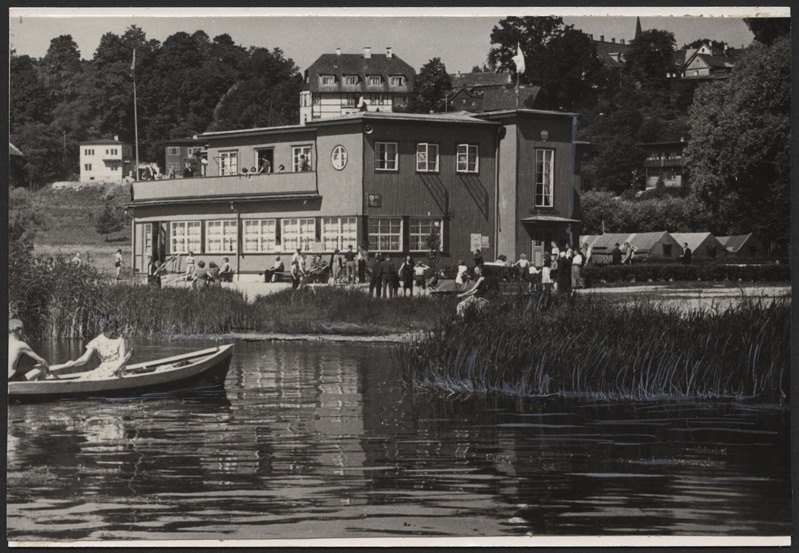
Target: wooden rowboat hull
205,369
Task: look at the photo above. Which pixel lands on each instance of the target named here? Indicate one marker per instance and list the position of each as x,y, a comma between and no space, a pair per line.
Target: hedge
660,272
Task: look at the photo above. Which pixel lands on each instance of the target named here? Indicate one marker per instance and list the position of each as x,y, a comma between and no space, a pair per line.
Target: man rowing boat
23,362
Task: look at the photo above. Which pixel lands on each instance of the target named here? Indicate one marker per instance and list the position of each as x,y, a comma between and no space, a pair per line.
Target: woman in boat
111,348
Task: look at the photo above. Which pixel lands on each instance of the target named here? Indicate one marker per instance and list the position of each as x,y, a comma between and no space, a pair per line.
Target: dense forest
738,129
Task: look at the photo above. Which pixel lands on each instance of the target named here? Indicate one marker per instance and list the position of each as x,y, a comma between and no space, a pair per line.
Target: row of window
286,235
88,167
108,151
354,80
175,150
301,160
427,158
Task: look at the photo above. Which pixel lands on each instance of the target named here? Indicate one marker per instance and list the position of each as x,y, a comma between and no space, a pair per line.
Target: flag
133,63
518,59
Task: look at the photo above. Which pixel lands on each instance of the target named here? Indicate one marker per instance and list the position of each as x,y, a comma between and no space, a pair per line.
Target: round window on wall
339,157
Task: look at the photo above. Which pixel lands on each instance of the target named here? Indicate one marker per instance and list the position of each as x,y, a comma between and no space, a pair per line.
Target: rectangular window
349,100
399,101
260,235
385,156
374,80
385,234
301,158
229,162
173,151
184,236
351,80
339,232
298,233
421,233
397,80
467,159
87,166
378,99
544,177
148,239
220,236
88,151
191,150
327,80
427,157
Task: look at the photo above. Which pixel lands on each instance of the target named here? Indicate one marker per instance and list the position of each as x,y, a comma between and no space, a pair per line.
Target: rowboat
204,369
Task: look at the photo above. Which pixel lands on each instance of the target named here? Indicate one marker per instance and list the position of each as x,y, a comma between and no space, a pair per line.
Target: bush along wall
662,272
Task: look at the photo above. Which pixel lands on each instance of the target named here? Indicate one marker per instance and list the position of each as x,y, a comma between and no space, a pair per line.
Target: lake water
322,440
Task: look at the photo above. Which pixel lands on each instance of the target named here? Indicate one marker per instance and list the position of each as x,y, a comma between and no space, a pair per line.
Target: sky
460,37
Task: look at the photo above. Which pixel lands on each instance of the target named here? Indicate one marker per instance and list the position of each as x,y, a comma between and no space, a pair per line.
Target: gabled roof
715,62
733,244
695,240
340,65
481,79
643,242
608,52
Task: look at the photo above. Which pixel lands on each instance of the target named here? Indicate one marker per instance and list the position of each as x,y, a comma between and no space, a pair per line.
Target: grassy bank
589,347
67,302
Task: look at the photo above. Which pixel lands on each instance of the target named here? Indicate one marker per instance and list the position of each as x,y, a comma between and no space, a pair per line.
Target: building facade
105,160
339,84
390,182
180,153
664,163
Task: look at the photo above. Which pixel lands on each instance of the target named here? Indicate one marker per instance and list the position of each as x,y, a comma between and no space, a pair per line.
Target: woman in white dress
111,348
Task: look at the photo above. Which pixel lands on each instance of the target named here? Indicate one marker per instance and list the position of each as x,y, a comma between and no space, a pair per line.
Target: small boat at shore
205,369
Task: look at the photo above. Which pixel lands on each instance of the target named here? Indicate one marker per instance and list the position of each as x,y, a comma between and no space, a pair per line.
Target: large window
298,233
339,232
421,232
378,99
385,234
349,99
173,151
229,162
427,157
544,177
351,80
397,80
385,156
220,236
374,80
260,235
301,158
467,159
327,80
184,236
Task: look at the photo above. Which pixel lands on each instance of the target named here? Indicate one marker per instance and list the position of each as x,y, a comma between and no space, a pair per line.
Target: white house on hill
105,160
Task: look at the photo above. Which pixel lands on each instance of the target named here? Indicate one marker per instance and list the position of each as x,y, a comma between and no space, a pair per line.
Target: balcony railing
233,186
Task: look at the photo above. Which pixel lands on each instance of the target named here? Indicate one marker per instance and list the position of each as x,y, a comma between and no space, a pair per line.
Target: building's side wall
247,147
104,162
510,232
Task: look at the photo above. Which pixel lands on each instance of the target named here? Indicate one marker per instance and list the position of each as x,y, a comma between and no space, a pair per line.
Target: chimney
591,36
116,138
622,41
367,52
601,38
389,54
338,51
613,40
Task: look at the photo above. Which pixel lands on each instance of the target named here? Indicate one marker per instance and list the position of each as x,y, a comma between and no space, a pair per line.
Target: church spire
638,31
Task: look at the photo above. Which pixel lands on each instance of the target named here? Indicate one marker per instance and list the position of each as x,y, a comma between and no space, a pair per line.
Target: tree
739,152
430,87
530,33
109,220
568,70
651,56
714,44
768,29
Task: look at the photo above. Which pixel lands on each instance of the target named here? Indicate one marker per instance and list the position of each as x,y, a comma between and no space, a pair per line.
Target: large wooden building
505,182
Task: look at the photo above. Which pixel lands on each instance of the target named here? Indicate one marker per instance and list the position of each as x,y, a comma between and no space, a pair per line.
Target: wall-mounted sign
375,200
339,157
475,242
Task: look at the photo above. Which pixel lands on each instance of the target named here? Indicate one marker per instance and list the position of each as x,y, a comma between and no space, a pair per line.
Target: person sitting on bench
226,272
278,267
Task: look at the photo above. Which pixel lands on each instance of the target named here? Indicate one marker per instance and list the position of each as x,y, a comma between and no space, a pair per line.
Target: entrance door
266,160
541,242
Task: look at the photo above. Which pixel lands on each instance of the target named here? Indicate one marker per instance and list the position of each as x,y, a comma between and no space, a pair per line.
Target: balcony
233,187
669,162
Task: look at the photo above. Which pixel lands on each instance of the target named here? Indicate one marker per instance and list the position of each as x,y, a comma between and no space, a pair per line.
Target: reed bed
67,301
589,347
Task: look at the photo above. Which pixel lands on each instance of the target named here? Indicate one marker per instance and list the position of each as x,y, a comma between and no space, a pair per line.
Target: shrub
664,272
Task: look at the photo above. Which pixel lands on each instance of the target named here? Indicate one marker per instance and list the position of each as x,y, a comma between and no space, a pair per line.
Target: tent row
670,245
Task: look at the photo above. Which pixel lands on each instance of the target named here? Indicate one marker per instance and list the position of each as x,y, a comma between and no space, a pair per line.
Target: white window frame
327,80
396,80
172,150
378,99
427,157
385,234
188,240
302,238
374,80
296,152
468,154
349,99
544,177
231,166
419,229
339,232
350,80
382,160
221,236
339,157
147,230
259,235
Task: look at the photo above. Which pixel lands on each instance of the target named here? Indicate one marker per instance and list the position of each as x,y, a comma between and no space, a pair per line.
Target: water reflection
322,440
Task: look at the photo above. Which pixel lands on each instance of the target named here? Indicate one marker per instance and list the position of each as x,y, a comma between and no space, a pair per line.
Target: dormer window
397,80
374,80
351,80
327,80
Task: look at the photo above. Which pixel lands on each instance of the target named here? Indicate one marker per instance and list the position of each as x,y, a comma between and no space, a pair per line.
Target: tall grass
589,347
67,302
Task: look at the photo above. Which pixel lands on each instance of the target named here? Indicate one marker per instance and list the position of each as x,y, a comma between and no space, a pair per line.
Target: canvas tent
742,245
703,244
647,245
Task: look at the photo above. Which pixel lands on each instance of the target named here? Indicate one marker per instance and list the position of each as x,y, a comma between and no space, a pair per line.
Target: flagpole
517,90
135,118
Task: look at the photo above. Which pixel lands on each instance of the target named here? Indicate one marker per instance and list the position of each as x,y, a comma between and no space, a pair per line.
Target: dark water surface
313,440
